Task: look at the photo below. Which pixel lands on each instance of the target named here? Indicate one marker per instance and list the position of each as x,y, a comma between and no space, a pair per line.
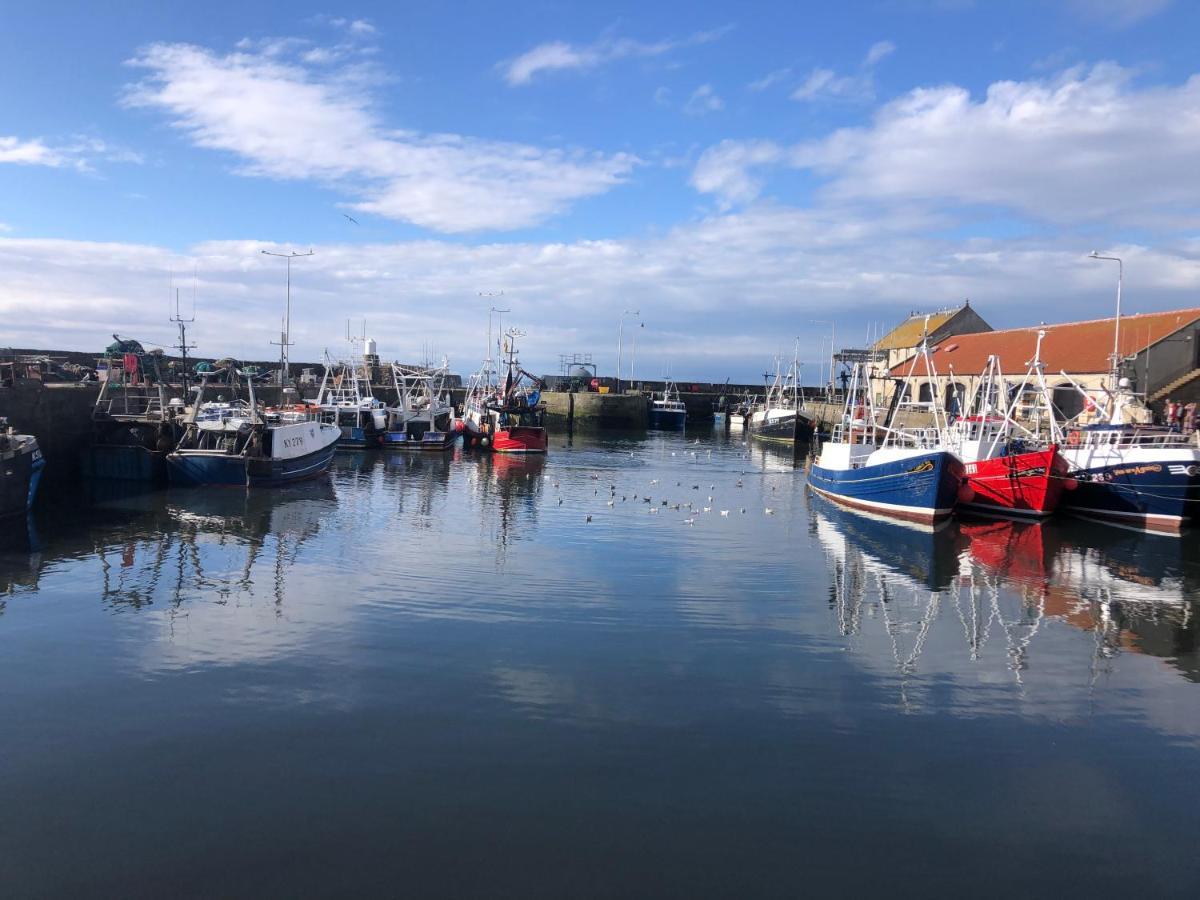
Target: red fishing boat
505,415
1008,469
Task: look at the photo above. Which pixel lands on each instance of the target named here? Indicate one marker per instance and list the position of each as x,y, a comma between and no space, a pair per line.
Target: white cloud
715,294
1118,13
1085,146
703,101
284,120
770,79
826,84
5,228
79,153
727,170
662,96
879,50
557,56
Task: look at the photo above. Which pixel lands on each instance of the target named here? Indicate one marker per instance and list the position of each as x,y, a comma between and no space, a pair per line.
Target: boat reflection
998,582
509,490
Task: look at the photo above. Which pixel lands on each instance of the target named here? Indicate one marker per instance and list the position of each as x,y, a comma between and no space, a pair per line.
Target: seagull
725,513
707,509
589,518
691,521
653,510
769,511
350,218
654,481
710,498
743,510
610,503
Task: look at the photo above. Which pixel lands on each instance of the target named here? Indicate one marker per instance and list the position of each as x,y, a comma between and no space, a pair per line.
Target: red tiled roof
1072,347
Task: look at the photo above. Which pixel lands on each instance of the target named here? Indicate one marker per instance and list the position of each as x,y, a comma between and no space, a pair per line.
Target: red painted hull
1025,484
519,439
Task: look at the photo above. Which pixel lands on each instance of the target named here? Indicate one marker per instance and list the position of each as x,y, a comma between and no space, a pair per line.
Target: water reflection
1002,580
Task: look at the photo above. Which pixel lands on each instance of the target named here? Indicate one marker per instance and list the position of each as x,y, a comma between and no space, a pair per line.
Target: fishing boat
667,411
135,421
236,442
1009,468
422,418
904,473
505,415
780,418
1142,475
345,400
21,467
741,411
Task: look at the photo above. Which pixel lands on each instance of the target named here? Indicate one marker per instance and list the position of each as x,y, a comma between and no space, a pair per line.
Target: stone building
1160,355
903,341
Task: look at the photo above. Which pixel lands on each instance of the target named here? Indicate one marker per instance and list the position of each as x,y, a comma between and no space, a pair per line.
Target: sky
720,181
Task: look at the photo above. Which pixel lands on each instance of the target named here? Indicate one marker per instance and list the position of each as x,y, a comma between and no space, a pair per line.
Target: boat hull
124,463
1025,484
20,474
356,437
921,488
1157,495
519,439
428,441
667,419
784,428
199,468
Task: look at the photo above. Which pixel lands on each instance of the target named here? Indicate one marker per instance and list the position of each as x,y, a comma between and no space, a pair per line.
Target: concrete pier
588,411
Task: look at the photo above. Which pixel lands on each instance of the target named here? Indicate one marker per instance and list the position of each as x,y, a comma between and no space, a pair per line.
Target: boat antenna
183,346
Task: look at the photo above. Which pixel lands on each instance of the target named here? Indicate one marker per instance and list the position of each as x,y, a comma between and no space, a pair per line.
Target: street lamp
1116,354
489,295
284,340
620,338
633,355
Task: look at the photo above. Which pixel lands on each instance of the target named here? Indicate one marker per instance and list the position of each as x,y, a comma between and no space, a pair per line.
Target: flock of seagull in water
654,508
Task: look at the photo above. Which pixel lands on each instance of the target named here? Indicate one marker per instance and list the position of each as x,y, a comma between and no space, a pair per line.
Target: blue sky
733,171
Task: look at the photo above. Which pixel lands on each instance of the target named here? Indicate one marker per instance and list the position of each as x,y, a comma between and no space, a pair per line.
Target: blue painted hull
355,437
124,463
1161,496
673,420
19,479
237,471
919,489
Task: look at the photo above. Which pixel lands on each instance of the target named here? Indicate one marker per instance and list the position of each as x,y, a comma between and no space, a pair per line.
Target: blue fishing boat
876,467
236,443
667,411
21,467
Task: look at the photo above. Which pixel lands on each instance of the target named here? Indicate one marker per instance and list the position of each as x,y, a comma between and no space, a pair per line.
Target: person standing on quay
1189,418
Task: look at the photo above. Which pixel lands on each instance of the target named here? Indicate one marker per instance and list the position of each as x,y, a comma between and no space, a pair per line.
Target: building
1160,355
903,341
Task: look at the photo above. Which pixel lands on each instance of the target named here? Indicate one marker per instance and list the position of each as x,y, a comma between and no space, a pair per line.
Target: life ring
1073,439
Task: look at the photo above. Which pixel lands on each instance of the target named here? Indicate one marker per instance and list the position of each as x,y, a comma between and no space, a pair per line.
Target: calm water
434,677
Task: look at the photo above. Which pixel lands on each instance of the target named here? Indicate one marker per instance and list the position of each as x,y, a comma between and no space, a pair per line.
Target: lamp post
620,338
1116,354
832,344
284,340
633,355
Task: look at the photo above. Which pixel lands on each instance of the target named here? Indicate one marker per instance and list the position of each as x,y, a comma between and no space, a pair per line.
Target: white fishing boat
345,400
423,417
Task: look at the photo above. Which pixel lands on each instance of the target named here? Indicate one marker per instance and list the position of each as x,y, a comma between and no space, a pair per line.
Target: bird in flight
350,218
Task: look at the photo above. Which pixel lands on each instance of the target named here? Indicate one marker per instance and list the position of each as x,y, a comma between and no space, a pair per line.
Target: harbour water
434,676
